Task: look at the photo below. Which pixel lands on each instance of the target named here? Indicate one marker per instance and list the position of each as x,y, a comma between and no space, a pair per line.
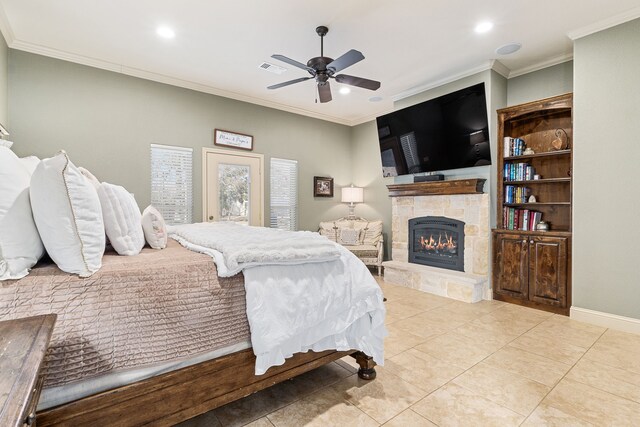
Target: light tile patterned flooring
450,363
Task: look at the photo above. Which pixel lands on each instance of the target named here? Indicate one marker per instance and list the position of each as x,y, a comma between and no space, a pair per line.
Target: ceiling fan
323,68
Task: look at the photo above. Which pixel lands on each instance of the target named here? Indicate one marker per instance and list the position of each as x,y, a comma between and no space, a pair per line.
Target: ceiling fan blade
357,81
346,60
324,90
294,63
290,82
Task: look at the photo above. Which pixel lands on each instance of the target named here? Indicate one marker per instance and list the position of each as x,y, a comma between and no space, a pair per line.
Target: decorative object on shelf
352,195
231,139
322,186
532,199
561,142
529,151
542,226
536,177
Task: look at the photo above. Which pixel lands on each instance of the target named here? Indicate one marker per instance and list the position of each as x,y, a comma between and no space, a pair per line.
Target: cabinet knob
211,218
531,241
524,241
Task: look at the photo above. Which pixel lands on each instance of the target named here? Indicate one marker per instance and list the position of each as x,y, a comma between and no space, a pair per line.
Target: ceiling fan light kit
323,68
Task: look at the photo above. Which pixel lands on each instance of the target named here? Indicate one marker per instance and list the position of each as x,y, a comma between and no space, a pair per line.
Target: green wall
4,85
106,121
550,81
606,193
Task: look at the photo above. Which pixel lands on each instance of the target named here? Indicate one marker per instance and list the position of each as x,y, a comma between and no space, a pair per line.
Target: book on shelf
516,194
513,146
518,172
520,219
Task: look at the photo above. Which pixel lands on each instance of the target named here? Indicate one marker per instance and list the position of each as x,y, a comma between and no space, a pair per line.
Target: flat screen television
448,132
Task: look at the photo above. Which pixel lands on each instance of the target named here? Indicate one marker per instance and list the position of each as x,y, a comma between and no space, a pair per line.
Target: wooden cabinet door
548,270
510,268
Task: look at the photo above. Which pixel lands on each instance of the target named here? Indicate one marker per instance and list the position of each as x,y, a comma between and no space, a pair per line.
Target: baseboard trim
608,320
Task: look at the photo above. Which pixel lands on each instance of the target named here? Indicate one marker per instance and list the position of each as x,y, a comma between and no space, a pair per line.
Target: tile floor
455,364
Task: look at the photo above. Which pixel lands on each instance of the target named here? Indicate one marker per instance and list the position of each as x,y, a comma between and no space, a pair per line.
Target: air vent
272,68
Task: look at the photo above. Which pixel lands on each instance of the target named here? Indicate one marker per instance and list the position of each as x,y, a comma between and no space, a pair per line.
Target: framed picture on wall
322,186
232,139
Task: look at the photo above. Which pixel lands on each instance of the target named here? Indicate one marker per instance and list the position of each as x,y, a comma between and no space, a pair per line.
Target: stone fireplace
440,241
437,241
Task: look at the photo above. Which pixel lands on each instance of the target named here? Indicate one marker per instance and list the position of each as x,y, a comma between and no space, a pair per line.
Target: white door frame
205,151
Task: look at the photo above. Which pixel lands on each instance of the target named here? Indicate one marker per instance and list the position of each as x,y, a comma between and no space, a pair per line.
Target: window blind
172,183
284,194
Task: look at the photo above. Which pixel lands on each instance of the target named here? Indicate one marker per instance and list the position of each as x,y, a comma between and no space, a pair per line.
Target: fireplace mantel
437,188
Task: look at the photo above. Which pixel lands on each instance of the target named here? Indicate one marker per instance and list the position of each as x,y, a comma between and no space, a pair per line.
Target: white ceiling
407,44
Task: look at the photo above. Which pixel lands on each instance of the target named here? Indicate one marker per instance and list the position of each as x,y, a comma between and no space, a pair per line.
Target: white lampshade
352,195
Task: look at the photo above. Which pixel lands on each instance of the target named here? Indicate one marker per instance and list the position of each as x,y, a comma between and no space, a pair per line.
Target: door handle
210,217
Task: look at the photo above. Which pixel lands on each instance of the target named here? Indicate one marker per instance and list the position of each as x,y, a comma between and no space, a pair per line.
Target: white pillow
122,219
91,177
349,236
20,244
31,163
155,229
67,212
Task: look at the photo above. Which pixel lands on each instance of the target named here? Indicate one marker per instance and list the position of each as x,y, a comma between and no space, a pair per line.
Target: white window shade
284,194
172,183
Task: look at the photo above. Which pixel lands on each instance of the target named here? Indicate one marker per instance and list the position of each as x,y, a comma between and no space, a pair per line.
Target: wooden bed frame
170,398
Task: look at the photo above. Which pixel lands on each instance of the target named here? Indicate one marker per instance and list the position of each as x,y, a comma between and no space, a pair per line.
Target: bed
154,338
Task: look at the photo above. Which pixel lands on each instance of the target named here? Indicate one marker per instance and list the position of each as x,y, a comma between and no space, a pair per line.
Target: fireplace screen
437,241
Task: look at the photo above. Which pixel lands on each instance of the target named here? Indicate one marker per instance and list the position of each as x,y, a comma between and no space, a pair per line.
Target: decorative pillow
329,230
349,236
20,244
67,212
155,229
122,219
371,232
91,177
31,163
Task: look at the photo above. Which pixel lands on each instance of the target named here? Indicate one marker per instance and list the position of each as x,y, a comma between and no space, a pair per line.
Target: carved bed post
367,365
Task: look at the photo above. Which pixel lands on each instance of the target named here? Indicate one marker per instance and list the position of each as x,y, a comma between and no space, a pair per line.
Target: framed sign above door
224,138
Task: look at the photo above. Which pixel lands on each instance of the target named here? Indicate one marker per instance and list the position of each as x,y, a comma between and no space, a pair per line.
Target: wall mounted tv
449,132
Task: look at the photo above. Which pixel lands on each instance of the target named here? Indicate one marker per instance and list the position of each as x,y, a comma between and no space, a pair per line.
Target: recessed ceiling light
375,99
345,90
508,49
165,32
484,27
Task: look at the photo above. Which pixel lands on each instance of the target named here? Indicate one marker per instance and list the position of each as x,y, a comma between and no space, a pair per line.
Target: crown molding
542,64
500,68
621,18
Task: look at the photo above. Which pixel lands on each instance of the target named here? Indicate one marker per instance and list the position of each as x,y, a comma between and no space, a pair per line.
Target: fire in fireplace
437,241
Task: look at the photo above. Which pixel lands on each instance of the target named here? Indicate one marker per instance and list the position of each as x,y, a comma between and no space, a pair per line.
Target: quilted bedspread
158,306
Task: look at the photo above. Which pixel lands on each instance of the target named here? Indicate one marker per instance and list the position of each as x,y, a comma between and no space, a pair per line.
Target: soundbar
425,178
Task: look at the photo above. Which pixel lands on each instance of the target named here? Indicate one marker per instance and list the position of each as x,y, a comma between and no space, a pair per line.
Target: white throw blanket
236,247
299,306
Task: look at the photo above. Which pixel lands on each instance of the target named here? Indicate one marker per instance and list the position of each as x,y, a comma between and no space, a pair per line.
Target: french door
233,187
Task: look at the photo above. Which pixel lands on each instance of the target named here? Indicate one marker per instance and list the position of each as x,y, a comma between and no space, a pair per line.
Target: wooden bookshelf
530,267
